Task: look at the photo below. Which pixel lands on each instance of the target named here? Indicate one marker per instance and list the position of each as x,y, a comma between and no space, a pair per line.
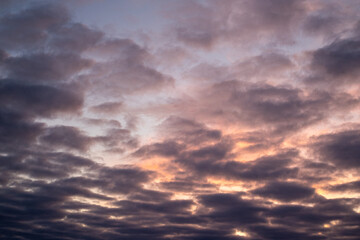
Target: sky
181,120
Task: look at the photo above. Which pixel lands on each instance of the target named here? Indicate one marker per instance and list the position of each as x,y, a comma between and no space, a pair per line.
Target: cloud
270,167
346,187
102,137
74,37
43,165
167,149
104,122
45,67
39,100
27,28
272,233
229,208
280,109
216,160
108,107
17,130
204,25
66,136
187,185
285,191
297,215
126,68
48,202
337,62
118,139
188,130
340,148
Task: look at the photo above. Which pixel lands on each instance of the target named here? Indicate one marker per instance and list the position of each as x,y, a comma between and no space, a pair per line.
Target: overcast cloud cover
184,120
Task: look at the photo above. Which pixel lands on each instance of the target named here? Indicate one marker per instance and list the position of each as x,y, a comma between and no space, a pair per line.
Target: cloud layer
229,120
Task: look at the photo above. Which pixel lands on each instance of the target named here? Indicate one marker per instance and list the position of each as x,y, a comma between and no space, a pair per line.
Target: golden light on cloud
241,233
332,223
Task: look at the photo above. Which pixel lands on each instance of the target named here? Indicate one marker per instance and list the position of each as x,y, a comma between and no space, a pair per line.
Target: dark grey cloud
187,185
123,180
337,62
329,21
126,68
166,149
115,139
28,28
243,171
216,160
104,122
52,48
167,207
54,210
45,67
278,110
300,216
118,139
340,148
3,55
208,160
283,107
315,172
66,136
230,208
39,100
43,189
73,37
221,214
108,107
273,233
146,195
17,130
43,165
210,153
346,187
42,206
285,191
322,23
270,167
189,131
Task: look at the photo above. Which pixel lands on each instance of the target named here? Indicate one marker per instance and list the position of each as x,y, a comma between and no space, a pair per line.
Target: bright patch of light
332,223
241,233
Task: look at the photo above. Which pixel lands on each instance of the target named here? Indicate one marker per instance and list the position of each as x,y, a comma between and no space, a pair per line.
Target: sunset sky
180,120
